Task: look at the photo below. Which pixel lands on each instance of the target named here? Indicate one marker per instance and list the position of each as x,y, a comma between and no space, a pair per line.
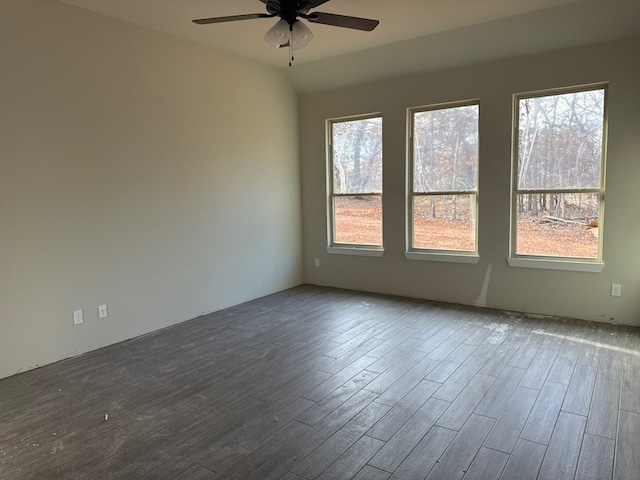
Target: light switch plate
78,317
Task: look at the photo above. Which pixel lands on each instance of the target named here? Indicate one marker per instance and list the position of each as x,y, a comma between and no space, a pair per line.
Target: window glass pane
357,156
560,141
558,224
445,222
358,220
445,149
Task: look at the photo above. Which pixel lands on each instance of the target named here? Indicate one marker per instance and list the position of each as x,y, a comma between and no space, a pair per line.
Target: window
355,166
558,178
443,179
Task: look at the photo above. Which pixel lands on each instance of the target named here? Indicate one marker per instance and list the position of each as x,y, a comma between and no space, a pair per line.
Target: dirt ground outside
359,222
541,238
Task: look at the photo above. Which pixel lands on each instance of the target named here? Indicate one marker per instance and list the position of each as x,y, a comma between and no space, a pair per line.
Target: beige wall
139,171
491,282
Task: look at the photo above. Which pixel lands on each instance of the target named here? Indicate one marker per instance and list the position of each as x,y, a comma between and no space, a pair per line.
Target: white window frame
437,255
347,248
578,264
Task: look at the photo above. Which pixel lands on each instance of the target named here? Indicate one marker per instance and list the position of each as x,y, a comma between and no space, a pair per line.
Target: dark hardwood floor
322,383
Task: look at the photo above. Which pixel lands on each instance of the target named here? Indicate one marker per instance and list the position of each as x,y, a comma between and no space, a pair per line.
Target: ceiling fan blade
342,21
231,18
309,4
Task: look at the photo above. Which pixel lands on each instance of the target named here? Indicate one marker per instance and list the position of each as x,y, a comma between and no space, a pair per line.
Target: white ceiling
545,23
399,20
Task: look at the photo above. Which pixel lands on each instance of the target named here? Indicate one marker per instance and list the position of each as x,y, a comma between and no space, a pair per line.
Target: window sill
567,265
442,257
358,251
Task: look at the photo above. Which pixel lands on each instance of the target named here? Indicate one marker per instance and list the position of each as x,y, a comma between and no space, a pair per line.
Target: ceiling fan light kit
278,35
282,34
289,31
301,35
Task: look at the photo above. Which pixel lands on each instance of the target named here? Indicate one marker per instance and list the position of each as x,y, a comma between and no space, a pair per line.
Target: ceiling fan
289,31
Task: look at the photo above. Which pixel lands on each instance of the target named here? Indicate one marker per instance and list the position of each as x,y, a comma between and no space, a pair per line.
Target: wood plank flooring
319,383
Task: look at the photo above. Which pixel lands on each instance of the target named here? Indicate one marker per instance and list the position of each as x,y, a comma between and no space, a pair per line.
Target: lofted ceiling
455,29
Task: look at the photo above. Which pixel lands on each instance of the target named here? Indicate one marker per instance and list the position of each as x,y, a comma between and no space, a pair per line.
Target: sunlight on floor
590,342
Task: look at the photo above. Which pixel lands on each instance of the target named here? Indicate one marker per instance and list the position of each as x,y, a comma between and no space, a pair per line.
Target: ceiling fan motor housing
288,10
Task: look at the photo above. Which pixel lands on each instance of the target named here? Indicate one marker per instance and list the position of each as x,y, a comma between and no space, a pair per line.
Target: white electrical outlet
616,289
317,262
102,311
78,317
